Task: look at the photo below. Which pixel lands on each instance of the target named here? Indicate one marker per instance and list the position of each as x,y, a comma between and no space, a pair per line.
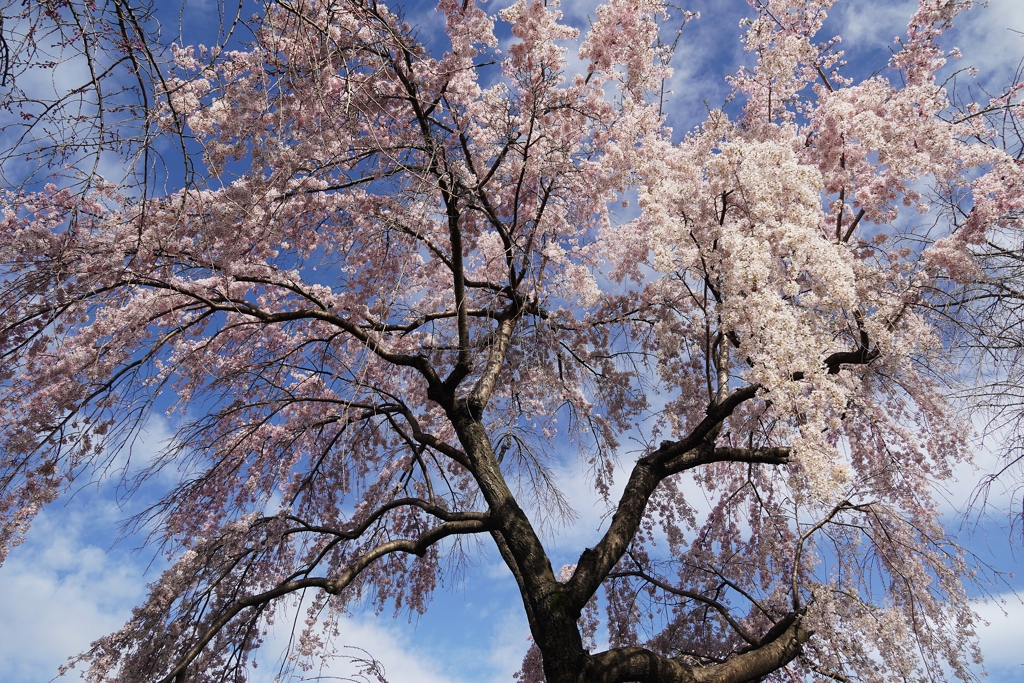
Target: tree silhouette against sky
401,280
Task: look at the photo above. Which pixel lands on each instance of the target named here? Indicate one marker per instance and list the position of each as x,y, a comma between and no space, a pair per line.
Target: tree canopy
402,281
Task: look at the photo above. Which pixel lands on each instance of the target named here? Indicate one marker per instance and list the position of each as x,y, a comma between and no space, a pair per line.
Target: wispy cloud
60,591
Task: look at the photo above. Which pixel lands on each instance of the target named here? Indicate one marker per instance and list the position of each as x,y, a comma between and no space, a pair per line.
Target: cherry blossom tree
979,310
405,287
76,89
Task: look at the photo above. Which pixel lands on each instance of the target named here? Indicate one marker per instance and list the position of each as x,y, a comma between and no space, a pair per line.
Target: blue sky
69,583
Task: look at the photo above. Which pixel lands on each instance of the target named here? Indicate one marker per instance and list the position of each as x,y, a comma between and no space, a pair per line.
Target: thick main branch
643,666
673,457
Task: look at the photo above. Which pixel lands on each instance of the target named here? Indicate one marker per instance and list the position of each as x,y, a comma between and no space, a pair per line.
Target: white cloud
1001,638
59,592
989,36
991,39
364,637
64,588
874,24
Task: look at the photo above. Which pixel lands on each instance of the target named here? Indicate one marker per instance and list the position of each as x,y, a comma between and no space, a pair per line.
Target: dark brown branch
853,225
643,666
380,326
672,458
484,387
718,606
416,547
243,307
430,508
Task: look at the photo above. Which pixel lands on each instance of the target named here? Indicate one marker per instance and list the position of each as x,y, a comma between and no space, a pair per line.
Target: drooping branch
248,308
722,609
671,458
696,449
432,509
595,563
638,664
333,586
